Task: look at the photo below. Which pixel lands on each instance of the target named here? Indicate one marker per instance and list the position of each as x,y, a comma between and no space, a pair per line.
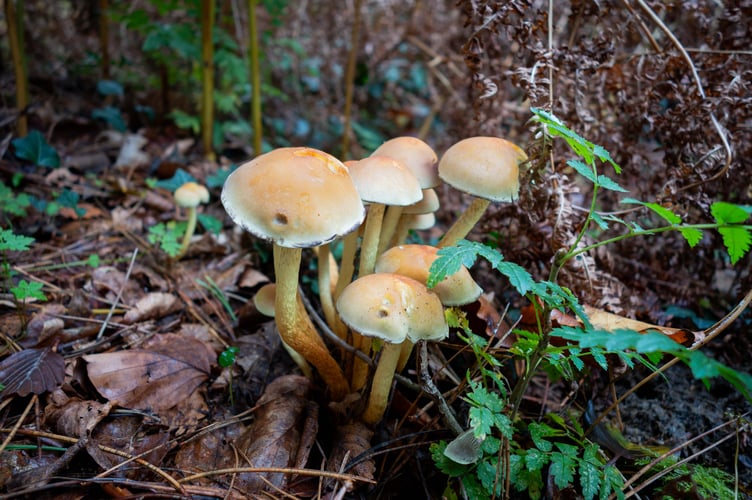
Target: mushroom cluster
300,197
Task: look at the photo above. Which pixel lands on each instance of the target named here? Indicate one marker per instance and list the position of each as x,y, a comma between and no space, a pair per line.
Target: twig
119,294
430,388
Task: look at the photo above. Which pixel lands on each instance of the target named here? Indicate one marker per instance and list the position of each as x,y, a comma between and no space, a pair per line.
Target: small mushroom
190,195
421,159
486,168
391,308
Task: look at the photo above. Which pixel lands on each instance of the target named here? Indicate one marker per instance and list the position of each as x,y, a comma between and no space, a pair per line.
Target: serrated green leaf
489,477
35,149
728,213
604,156
586,171
692,235
599,220
659,210
610,184
656,342
563,466
28,290
612,481
539,432
9,241
518,277
464,253
535,459
737,241
590,479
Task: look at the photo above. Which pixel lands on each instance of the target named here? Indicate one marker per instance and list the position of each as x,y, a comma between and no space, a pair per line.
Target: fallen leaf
610,321
351,442
31,371
156,379
152,306
274,439
75,418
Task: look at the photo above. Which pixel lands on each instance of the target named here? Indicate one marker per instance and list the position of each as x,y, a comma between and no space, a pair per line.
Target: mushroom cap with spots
486,167
297,197
414,261
392,307
418,156
191,194
381,179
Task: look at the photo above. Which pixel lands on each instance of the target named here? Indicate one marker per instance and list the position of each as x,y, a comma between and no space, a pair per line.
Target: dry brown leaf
128,433
155,379
274,439
43,325
610,321
75,417
152,306
352,441
31,371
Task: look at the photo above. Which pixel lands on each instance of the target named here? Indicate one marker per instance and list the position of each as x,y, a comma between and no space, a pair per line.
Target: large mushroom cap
486,167
418,156
414,261
392,307
382,179
297,197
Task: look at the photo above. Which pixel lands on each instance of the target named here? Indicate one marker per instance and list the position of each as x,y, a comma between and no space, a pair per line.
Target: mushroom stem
382,383
347,267
370,244
190,228
465,223
296,328
325,288
388,226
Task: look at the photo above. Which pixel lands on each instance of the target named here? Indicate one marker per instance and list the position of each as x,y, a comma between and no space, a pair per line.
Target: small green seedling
226,359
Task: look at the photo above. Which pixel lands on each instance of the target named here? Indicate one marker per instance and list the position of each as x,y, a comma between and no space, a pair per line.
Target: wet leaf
156,379
274,438
35,149
31,371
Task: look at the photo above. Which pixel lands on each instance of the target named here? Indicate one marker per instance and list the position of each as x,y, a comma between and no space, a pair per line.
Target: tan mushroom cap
420,222
414,261
418,156
191,194
428,204
264,298
381,179
486,167
297,197
392,307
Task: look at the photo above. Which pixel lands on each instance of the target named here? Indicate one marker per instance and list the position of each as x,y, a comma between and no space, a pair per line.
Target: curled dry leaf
610,321
31,371
75,417
43,325
278,437
152,306
155,379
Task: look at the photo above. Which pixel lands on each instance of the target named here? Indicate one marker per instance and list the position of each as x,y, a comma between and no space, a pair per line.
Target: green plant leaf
28,290
737,241
692,235
178,179
659,210
35,149
563,464
728,213
210,223
109,87
535,459
584,170
610,184
590,479
111,116
464,253
518,277
9,241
